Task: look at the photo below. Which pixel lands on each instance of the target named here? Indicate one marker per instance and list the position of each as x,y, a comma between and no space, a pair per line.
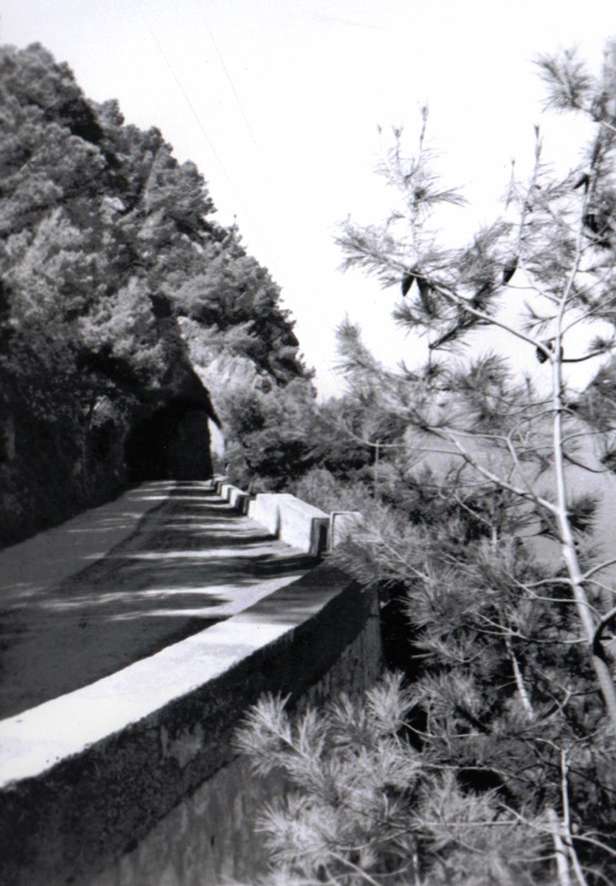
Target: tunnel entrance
171,444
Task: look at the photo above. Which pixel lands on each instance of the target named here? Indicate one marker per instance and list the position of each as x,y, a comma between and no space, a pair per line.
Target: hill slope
113,276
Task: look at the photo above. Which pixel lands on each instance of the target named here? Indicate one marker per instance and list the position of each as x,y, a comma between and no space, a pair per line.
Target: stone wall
210,836
290,519
134,780
66,445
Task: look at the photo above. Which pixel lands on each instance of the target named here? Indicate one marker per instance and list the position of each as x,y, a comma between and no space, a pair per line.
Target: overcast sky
279,104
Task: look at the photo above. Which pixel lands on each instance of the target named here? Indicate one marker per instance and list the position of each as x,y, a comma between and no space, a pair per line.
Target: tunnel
171,444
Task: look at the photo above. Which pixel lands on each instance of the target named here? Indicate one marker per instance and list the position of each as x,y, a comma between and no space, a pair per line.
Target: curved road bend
184,563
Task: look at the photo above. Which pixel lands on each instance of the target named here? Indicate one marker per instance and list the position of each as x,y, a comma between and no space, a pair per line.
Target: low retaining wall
133,781
236,497
292,520
342,525
288,518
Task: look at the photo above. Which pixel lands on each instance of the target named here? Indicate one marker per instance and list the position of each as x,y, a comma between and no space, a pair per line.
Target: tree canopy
114,275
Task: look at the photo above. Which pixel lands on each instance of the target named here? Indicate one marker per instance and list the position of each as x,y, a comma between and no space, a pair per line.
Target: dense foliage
116,284
494,764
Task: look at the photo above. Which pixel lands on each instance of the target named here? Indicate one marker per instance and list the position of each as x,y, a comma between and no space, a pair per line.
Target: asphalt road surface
121,582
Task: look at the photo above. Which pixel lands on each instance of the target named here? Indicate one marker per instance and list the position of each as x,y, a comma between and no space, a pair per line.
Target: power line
190,104
231,84
262,159
259,228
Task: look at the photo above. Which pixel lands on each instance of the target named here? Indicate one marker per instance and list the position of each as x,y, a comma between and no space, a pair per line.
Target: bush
319,487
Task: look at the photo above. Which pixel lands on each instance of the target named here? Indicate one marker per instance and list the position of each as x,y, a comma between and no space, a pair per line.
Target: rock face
170,444
59,457
108,250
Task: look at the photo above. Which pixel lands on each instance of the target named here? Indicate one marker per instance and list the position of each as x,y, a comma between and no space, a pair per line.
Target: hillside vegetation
488,759
120,295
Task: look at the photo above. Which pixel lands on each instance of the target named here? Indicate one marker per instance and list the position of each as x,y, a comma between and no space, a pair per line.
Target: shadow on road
192,562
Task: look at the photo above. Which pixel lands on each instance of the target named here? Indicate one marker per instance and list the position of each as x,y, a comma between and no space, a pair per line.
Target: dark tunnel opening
171,444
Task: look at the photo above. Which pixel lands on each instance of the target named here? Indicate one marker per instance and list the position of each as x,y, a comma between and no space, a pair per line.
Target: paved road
178,560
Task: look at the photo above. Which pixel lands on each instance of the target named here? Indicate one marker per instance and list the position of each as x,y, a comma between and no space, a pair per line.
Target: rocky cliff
112,268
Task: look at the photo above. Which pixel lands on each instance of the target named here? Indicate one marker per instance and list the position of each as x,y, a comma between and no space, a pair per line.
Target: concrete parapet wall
265,509
344,524
237,498
218,482
292,520
133,781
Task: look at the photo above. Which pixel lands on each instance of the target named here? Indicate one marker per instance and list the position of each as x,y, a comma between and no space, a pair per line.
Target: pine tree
558,246
507,732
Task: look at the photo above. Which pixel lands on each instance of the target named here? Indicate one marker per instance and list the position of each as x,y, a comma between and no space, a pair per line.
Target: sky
287,107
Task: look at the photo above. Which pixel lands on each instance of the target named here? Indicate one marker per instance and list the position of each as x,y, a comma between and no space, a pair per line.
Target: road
121,582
